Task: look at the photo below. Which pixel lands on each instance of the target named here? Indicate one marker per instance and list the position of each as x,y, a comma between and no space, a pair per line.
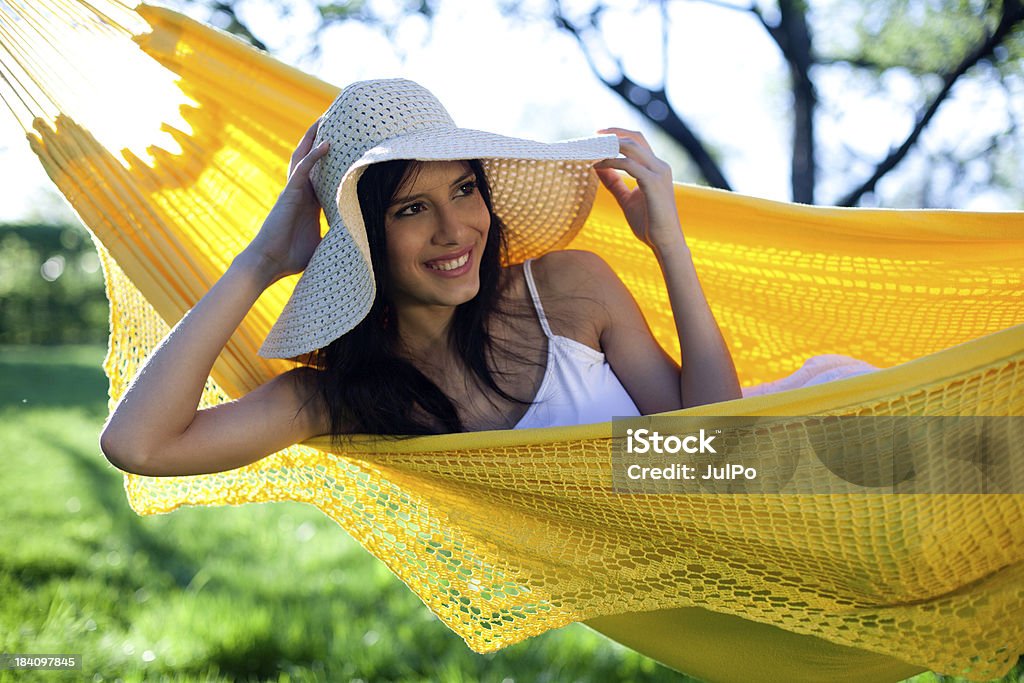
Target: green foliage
51,286
1014,55
922,37
342,11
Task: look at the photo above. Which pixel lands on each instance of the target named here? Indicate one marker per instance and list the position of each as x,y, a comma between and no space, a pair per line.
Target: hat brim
543,193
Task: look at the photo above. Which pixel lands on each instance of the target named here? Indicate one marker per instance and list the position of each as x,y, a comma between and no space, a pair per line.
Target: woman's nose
450,226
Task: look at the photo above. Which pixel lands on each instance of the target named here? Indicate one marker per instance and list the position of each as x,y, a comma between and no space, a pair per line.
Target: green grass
257,592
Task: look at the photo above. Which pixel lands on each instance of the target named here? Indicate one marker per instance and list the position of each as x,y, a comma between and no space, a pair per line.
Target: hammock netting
505,535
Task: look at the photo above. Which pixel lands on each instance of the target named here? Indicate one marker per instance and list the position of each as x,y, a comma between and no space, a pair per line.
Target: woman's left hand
650,208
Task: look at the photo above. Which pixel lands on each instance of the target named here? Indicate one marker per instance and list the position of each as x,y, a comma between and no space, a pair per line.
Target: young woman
408,313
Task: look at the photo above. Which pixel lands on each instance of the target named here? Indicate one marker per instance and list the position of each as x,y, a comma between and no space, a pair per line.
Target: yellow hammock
505,535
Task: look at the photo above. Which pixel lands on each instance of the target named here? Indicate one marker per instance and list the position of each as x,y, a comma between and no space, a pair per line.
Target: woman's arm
156,428
708,374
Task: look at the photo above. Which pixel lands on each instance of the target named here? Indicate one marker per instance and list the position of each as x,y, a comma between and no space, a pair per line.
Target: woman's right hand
157,428
291,231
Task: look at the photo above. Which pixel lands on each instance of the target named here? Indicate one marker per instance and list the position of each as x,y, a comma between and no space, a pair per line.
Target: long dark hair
366,385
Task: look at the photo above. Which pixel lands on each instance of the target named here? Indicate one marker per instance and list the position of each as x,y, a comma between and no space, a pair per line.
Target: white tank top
579,387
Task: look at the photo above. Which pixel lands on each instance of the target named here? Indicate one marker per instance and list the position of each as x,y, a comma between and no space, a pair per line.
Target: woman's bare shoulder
574,272
574,286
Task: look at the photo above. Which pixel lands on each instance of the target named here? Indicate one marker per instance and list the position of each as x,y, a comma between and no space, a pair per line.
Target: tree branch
792,35
1012,14
654,106
236,26
858,61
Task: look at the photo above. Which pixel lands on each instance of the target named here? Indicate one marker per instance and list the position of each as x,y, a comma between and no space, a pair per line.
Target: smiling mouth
451,264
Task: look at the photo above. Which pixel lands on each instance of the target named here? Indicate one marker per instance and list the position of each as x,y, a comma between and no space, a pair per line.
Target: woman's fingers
304,147
632,140
627,164
613,181
307,138
649,208
633,145
305,143
644,155
640,164
305,165
314,155
634,135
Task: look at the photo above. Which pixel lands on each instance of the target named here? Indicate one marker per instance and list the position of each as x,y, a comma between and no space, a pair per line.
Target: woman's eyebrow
469,175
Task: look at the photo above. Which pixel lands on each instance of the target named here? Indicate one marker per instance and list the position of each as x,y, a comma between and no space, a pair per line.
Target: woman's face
436,229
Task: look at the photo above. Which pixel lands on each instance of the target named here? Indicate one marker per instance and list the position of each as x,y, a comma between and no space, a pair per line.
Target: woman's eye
468,187
410,210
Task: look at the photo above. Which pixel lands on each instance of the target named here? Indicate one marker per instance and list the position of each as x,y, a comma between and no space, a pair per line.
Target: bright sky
532,80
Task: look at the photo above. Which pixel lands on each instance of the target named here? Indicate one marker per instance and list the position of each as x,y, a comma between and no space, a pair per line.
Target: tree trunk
794,38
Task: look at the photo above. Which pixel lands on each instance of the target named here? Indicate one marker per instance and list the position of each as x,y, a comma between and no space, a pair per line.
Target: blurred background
892,103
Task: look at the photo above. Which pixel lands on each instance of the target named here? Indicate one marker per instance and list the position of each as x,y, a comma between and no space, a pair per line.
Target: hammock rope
505,535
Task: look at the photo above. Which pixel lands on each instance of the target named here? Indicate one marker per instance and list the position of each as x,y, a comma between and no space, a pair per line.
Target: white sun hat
543,192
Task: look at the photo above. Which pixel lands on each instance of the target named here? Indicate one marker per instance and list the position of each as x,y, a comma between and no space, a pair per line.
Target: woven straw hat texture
542,191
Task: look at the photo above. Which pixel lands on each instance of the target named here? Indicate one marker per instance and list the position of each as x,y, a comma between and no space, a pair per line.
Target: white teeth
450,265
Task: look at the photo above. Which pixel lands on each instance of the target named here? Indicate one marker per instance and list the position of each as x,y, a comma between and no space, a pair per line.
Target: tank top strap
532,286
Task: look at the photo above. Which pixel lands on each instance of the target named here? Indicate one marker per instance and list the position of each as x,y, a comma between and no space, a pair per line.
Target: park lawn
273,591
255,592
